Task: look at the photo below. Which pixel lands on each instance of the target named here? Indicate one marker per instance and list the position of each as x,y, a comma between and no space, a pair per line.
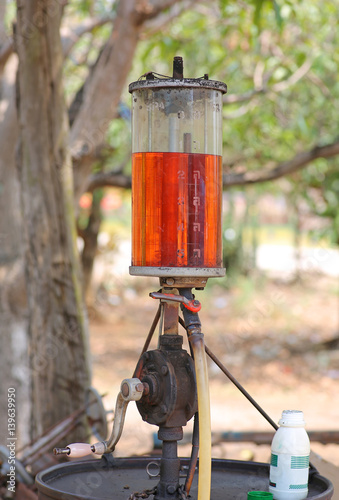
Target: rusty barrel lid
117,479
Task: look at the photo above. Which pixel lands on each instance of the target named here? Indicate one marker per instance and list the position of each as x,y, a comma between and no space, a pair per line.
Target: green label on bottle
298,486
274,460
300,462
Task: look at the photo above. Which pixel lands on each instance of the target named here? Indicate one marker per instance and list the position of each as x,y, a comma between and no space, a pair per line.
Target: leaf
277,11
257,13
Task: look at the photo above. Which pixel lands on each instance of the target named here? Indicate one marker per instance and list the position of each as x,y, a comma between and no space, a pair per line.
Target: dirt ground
274,337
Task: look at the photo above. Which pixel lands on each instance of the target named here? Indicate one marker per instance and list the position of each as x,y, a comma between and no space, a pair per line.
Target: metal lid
155,81
159,83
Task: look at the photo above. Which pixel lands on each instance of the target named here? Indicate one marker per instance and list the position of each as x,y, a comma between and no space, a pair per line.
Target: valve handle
131,390
192,305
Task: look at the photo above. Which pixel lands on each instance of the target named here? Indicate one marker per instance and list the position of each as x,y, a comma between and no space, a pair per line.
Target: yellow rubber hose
205,454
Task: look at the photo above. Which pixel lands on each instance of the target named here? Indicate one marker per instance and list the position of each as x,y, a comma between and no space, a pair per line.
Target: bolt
146,388
171,489
61,451
139,387
164,370
170,281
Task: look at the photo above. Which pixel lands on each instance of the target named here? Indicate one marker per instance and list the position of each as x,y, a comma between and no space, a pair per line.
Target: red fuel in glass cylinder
176,210
177,177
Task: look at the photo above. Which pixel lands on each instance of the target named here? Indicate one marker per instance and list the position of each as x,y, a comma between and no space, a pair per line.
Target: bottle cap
259,494
292,418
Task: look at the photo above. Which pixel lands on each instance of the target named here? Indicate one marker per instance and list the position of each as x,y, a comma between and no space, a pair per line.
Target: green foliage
92,7
10,15
321,191
260,5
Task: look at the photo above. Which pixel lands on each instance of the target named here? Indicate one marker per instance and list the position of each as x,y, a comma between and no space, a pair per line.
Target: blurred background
274,319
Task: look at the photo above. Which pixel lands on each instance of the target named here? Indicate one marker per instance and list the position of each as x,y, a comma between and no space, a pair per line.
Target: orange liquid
176,210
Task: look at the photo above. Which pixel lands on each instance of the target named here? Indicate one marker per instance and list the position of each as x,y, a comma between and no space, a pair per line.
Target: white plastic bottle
290,455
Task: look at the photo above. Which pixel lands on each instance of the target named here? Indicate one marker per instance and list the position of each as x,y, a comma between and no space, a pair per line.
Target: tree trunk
57,326
90,238
13,305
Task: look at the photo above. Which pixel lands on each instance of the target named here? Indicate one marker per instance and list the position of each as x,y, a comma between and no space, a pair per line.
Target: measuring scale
177,176
176,203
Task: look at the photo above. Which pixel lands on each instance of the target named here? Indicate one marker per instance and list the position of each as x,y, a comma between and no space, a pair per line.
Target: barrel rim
135,462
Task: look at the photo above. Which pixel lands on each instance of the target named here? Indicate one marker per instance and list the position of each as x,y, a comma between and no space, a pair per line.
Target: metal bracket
192,305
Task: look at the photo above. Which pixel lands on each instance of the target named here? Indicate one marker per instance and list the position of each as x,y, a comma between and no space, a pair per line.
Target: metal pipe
178,68
196,338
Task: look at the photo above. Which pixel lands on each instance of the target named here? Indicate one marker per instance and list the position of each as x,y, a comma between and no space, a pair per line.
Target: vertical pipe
173,133
196,338
205,444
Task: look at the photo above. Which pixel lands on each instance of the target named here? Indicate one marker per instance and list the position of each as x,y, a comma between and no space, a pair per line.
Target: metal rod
151,332
178,67
61,451
236,383
149,337
36,448
240,387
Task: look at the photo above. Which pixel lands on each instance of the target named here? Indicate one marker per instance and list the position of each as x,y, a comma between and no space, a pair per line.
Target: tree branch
246,96
71,35
108,179
242,110
156,24
282,169
149,9
294,78
263,89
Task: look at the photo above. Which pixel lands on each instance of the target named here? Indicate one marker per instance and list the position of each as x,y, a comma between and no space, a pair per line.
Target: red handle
193,305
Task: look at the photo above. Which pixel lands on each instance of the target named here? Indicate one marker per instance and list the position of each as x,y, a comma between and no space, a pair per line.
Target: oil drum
118,479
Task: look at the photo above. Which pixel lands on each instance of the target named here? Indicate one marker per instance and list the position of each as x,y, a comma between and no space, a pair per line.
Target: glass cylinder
177,177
